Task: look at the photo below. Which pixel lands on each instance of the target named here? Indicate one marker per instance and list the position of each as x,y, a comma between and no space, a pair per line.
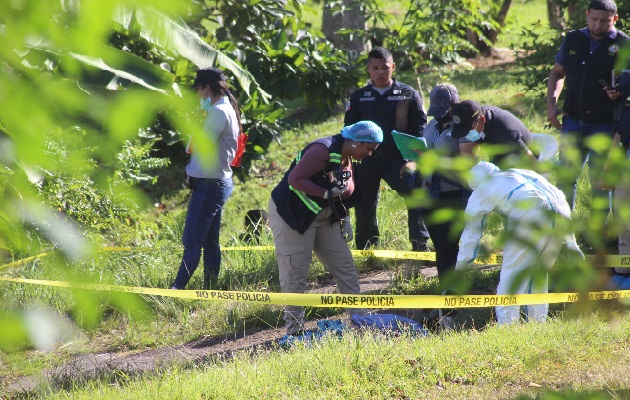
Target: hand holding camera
334,192
339,179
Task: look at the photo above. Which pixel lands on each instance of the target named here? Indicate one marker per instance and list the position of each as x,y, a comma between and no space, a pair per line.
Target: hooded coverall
537,219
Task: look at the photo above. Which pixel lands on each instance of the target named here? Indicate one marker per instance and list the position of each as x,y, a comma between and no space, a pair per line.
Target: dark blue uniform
586,62
503,128
399,108
587,108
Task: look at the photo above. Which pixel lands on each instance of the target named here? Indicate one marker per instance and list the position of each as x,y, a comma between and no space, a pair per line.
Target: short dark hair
380,53
603,5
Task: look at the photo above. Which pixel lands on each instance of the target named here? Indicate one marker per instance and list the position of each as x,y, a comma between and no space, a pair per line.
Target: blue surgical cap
363,131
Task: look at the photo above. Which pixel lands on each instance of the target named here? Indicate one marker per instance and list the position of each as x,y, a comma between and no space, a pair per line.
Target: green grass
577,354
523,13
570,357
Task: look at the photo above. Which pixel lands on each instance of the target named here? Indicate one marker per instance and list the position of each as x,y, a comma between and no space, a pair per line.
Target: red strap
240,150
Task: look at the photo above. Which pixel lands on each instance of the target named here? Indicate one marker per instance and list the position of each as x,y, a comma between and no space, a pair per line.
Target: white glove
334,192
346,229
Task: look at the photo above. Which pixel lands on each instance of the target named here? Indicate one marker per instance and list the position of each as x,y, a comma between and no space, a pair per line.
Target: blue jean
201,231
574,136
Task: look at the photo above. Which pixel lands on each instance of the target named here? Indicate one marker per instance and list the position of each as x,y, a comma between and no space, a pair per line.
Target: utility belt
193,182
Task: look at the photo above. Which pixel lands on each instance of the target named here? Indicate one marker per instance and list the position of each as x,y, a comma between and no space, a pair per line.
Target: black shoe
421,245
368,244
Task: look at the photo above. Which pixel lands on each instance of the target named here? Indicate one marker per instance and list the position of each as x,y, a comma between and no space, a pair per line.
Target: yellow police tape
491,259
23,261
345,300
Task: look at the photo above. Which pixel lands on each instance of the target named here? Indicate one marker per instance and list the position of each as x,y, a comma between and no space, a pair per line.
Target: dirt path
86,367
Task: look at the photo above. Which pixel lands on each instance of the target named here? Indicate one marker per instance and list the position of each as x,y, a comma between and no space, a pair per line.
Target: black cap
208,76
442,98
464,114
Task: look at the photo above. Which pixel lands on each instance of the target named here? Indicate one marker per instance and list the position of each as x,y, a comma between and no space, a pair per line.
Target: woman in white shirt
210,178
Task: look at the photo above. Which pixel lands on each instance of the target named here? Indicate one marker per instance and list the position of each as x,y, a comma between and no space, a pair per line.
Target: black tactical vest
585,99
297,208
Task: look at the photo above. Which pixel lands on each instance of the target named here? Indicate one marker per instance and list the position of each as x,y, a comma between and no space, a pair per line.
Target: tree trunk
577,14
483,47
500,18
555,14
350,17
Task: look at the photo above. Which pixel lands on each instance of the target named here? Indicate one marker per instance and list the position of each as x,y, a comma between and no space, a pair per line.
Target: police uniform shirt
444,144
586,62
368,104
593,44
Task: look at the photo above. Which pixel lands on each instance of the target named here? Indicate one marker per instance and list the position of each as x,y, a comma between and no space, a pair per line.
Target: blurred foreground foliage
94,105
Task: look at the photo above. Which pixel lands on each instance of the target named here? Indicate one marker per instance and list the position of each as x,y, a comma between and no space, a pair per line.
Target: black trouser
385,165
445,235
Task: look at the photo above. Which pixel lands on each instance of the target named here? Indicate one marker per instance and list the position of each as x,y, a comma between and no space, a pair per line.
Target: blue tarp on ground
390,323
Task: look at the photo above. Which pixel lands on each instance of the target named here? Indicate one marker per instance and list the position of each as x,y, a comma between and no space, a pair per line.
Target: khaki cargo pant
294,253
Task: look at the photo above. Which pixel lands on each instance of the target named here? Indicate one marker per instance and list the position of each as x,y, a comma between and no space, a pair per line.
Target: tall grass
577,353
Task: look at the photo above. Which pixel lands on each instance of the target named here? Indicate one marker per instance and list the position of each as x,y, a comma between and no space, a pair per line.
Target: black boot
421,245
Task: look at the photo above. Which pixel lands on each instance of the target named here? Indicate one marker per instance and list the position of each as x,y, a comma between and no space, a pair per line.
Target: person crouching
308,212
537,223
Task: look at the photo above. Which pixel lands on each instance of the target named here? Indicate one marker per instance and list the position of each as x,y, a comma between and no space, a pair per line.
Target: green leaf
599,142
175,35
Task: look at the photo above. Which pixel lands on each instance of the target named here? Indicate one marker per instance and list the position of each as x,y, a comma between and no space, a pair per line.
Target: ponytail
236,109
222,88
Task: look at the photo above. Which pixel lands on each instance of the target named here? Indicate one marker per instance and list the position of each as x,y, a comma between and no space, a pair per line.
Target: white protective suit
537,220
546,145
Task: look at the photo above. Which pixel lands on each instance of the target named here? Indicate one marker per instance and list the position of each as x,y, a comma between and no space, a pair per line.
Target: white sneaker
174,288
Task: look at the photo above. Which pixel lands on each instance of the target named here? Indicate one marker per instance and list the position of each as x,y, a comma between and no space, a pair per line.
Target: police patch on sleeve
613,48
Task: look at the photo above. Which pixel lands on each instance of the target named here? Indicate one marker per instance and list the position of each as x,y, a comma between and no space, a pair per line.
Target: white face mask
473,135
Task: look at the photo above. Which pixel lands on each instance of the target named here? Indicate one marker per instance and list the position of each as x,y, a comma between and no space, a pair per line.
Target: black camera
340,177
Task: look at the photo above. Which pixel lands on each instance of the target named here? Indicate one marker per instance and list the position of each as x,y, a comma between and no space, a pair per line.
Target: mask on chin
473,135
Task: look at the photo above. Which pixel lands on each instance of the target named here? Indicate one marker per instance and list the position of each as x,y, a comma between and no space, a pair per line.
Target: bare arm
313,162
554,87
527,150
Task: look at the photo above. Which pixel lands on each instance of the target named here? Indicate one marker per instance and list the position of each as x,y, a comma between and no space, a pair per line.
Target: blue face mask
473,135
205,104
